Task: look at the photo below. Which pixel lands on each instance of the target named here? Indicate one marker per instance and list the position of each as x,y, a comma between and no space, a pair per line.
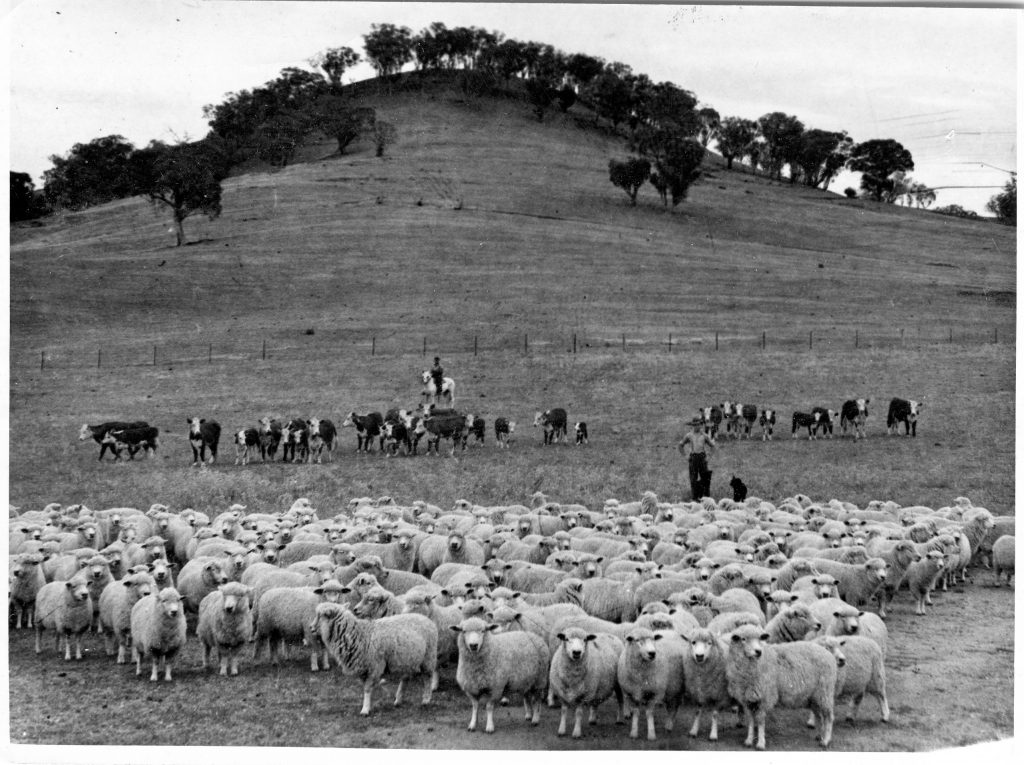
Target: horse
447,393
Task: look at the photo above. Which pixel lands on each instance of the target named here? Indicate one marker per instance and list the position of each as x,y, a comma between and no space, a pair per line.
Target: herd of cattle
401,431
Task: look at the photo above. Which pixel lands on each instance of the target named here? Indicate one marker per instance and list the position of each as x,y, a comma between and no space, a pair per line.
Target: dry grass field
483,225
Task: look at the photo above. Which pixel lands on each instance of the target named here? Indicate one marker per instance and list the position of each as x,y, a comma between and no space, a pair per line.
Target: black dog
739,489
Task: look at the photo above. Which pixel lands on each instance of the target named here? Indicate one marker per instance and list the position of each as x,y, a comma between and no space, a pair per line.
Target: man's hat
696,421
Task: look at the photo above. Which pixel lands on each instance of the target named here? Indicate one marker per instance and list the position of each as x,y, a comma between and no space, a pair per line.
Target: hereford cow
748,416
247,444
98,432
711,416
203,435
555,425
322,435
767,423
731,418
503,430
905,411
368,427
270,437
446,424
131,439
853,414
825,422
581,433
477,429
804,420
295,440
396,435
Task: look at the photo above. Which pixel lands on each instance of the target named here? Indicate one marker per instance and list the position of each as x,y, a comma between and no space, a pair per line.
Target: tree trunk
179,231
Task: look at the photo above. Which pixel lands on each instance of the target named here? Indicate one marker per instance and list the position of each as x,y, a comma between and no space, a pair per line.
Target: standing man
699,442
437,372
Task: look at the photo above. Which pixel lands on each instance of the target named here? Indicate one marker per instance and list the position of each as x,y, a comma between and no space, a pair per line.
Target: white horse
447,393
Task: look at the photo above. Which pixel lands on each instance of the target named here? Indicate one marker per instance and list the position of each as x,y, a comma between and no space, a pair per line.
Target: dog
739,489
581,433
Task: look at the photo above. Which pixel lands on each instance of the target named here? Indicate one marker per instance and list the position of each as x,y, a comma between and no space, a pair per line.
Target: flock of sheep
721,605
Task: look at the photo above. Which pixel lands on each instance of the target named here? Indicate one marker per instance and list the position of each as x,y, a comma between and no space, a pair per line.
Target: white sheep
791,624
650,673
225,623
704,676
491,665
286,614
25,579
158,630
584,673
815,586
840,618
861,671
762,676
1003,558
198,578
922,576
116,602
66,608
443,617
400,646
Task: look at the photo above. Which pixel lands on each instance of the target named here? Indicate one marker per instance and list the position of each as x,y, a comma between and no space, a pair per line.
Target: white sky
145,68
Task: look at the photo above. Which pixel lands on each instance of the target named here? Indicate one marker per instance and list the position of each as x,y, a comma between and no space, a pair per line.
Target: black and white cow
767,422
555,424
804,420
731,418
131,439
322,435
396,435
504,428
98,432
905,411
581,433
854,414
247,444
711,416
203,435
477,429
747,418
447,424
270,437
295,441
825,422
368,427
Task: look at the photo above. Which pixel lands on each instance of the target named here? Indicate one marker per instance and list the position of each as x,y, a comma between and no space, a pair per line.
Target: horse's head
425,376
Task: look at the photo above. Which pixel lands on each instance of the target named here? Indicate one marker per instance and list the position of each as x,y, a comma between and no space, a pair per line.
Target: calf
203,435
396,435
853,414
270,437
131,439
247,443
902,410
767,423
731,417
804,420
477,428
555,424
322,435
748,416
825,421
581,433
368,427
98,432
503,430
295,437
711,416
449,424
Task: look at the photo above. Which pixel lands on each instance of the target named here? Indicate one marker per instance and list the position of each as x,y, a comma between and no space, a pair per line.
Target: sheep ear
516,595
630,639
794,598
591,637
492,627
561,636
455,628
736,638
860,614
658,636
765,637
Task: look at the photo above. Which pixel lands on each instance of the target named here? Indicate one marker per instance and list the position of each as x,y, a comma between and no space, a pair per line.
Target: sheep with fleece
286,614
704,676
66,608
729,621
1004,558
861,671
398,554
922,576
400,646
777,600
25,579
584,673
443,617
158,631
855,583
650,672
898,556
492,664
116,603
198,578
568,591
840,618
809,588
609,598
225,623
377,603
1002,526
761,675
792,624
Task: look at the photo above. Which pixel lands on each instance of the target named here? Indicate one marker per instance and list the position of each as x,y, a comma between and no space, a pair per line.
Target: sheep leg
577,729
670,717
167,669
883,702
535,705
398,691
695,728
489,727
154,675
634,730
563,721
827,718
473,716
592,717
435,680
313,663
223,663
78,647
122,657
234,664
759,717
137,656
67,646
748,717
651,734
812,719
367,695
428,688
714,725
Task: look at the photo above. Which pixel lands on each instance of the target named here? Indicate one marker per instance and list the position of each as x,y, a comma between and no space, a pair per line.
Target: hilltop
482,220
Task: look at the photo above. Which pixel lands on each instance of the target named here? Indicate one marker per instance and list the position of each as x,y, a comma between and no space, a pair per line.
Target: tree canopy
629,175
25,203
388,48
877,160
90,174
1004,204
734,136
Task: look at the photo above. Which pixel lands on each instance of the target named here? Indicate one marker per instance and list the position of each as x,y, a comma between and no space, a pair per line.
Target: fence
338,345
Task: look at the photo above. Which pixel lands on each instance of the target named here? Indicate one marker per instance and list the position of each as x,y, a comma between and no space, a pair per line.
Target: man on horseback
437,372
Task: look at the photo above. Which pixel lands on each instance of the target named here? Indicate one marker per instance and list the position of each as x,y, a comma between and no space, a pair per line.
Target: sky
941,81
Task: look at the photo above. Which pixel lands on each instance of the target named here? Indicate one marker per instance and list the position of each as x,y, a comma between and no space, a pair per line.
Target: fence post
424,346
154,355
475,338
995,338
716,341
373,346
574,342
810,340
99,358
762,340
264,350
670,342
856,338
951,334
209,357
623,341
42,360
526,343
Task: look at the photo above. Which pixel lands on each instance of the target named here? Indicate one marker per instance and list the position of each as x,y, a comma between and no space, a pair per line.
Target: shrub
629,175
851,193
957,212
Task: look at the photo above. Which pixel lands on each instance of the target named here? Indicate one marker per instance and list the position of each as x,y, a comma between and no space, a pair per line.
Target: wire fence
336,345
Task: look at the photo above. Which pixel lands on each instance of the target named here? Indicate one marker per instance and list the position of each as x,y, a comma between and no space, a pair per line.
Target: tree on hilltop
335,62
877,160
611,96
820,155
90,174
25,202
583,68
781,133
1004,204
734,136
337,117
629,175
388,48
